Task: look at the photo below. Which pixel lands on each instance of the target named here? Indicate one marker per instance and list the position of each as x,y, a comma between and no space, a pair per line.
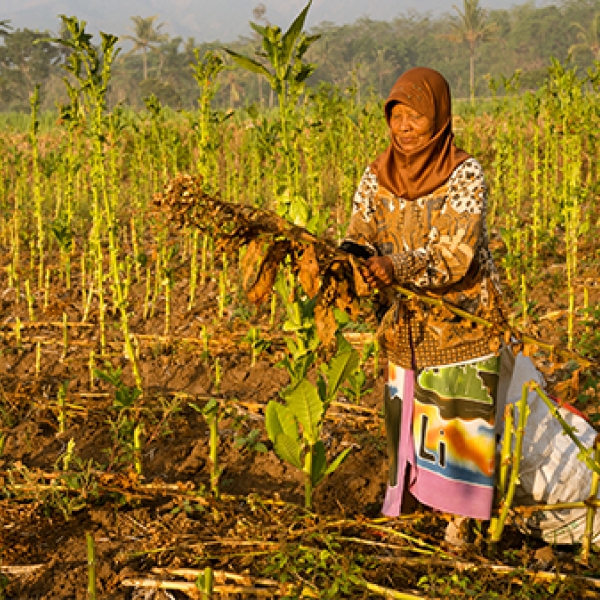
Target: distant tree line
365,57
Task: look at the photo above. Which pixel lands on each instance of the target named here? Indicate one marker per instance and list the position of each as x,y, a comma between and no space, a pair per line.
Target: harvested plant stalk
321,267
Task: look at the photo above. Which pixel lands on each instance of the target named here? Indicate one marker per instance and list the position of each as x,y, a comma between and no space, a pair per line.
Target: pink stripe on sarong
456,497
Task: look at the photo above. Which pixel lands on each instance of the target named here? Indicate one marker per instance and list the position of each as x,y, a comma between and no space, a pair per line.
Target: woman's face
410,129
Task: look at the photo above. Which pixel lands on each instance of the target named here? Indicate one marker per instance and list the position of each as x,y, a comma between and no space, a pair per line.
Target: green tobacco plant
251,442
257,343
287,78
295,426
125,428
206,73
90,67
300,321
64,236
211,412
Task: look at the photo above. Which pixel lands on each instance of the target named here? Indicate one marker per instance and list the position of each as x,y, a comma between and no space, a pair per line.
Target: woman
420,216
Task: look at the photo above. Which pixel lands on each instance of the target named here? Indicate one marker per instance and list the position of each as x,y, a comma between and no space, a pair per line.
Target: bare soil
167,518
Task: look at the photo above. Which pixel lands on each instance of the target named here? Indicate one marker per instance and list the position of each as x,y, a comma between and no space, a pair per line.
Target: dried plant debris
322,269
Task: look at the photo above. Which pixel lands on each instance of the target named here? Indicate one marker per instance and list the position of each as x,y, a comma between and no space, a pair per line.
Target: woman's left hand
379,271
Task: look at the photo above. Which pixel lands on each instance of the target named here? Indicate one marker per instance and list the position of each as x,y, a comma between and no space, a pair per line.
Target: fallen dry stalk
517,572
19,571
192,589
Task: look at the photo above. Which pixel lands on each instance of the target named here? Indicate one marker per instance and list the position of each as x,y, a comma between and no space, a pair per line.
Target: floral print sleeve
457,231
363,224
431,240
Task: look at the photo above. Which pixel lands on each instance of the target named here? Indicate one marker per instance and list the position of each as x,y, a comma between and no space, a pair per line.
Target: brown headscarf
411,175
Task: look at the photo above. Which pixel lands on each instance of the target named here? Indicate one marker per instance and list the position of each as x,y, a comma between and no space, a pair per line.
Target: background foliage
365,55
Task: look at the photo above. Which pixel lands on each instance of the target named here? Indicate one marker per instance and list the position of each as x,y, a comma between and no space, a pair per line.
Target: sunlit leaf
339,369
279,420
288,449
292,34
262,31
247,63
305,404
339,459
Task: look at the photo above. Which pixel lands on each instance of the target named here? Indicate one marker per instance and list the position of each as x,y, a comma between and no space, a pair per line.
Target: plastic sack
550,471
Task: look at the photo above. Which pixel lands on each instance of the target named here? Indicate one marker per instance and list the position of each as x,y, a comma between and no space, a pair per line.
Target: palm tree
146,37
5,27
471,26
588,39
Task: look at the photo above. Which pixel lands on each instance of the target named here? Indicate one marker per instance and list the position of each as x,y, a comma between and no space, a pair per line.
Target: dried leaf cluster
323,270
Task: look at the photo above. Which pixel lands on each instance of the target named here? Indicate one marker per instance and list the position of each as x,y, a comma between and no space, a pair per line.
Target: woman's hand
379,271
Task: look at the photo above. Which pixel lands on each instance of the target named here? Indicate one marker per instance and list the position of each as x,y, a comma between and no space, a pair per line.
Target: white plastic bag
550,471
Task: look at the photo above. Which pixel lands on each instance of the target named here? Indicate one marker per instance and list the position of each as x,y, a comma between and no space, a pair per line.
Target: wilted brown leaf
262,285
360,285
494,344
567,390
326,325
529,349
309,274
252,262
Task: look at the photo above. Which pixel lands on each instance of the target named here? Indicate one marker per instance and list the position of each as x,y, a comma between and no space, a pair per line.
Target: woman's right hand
379,271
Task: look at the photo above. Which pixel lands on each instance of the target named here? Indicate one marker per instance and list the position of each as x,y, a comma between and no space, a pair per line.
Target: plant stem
505,461
91,557
588,536
516,464
214,451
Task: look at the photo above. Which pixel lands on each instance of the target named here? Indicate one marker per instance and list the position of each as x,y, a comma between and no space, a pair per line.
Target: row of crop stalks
543,154
76,207
93,179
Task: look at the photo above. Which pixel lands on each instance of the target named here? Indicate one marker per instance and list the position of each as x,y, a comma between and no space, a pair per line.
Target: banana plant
295,426
287,77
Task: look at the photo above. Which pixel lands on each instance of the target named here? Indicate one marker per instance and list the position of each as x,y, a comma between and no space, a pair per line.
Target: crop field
144,398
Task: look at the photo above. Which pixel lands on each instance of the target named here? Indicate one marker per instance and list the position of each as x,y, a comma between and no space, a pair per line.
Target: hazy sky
208,20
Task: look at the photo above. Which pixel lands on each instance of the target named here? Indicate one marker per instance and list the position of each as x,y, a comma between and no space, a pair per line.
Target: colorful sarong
441,420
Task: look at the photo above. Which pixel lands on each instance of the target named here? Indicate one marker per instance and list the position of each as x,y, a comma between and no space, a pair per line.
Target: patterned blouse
438,244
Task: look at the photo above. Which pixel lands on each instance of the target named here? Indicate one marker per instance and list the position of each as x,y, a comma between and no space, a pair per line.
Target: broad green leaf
319,463
339,369
305,72
305,404
292,34
288,449
280,420
322,388
305,43
299,211
248,64
343,345
271,51
210,406
262,31
291,346
339,459
341,317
